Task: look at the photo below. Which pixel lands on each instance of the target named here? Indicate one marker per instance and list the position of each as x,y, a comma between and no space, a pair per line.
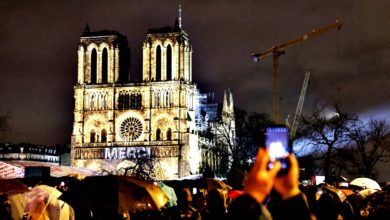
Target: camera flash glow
276,150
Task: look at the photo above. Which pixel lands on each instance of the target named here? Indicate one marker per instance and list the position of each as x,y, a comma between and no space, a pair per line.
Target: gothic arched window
139,101
169,134
158,63
103,136
158,134
93,102
158,99
169,62
92,137
104,65
166,101
171,99
127,101
93,66
120,101
104,102
132,101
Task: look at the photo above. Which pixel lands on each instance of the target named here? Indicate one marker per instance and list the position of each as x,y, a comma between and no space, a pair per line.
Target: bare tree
325,135
371,142
224,142
143,166
236,154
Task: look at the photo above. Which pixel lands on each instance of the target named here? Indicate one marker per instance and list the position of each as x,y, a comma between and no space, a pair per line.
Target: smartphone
277,143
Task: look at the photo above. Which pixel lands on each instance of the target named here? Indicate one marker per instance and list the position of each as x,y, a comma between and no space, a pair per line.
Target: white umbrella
367,192
365,183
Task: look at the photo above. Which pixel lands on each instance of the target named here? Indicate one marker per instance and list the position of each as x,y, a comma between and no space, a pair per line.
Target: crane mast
298,111
277,51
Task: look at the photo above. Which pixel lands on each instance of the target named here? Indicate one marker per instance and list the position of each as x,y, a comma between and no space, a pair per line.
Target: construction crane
301,100
277,51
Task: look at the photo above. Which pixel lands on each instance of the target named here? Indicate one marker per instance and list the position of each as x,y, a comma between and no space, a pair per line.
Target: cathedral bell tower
103,63
167,54
102,57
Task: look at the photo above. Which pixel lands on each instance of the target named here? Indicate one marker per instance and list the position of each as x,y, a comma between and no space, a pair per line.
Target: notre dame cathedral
163,116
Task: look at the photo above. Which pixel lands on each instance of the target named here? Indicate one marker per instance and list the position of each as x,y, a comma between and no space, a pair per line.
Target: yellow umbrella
217,184
108,196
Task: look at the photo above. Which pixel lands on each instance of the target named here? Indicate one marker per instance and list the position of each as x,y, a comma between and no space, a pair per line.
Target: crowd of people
267,194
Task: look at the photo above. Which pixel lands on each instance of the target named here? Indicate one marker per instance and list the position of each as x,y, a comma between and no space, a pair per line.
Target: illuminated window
103,136
105,101
93,66
158,100
93,102
104,66
169,63
169,134
158,134
158,63
167,99
171,99
92,137
131,129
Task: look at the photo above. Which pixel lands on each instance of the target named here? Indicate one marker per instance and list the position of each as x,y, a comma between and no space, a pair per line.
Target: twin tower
117,120
103,56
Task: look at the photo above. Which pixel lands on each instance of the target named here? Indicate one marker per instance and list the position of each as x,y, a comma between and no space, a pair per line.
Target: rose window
131,129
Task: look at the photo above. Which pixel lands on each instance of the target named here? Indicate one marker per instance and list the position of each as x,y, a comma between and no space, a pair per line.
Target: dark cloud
38,45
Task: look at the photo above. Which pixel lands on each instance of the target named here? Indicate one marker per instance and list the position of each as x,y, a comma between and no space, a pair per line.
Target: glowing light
277,150
195,155
93,166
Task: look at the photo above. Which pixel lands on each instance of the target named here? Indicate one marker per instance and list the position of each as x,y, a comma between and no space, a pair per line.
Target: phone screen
276,140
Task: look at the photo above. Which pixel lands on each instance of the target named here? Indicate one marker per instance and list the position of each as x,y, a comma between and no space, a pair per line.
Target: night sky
39,39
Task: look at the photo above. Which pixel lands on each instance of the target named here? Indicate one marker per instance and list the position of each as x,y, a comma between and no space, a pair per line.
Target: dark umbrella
106,197
12,186
201,183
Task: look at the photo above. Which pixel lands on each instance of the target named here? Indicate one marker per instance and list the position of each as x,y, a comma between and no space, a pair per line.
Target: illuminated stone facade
115,118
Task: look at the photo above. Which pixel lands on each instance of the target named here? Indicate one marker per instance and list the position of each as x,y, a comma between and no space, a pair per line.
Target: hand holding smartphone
277,143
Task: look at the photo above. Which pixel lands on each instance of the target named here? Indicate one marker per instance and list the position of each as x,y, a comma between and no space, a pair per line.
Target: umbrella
17,202
110,196
367,192
158,198
170,192
202,183
365,183
235,193
334,191
42,202
12,186
217,184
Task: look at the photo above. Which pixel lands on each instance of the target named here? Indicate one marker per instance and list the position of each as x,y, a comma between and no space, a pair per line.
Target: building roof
168,29
88,33
15,169
101,33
